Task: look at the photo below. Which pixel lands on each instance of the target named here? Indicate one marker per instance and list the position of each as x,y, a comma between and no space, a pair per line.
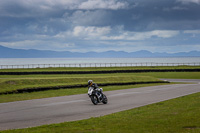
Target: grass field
10,83
14,82
173,75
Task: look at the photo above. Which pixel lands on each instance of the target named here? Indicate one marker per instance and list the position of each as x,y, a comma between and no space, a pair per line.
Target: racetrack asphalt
30,113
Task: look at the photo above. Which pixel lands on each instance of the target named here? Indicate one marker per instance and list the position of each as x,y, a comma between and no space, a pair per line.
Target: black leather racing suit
94,85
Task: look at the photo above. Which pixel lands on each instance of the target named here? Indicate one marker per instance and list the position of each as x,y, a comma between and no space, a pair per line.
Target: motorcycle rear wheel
105,100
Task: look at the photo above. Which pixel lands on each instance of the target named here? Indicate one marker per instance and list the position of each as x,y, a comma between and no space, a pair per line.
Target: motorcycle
97,96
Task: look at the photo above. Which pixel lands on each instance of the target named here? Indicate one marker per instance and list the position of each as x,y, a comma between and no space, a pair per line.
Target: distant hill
32,53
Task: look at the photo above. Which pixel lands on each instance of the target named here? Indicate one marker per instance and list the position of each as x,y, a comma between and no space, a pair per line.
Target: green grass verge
180,115
172,75
12,83
98,68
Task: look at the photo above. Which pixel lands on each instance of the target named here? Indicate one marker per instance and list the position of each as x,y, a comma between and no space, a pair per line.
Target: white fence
97,65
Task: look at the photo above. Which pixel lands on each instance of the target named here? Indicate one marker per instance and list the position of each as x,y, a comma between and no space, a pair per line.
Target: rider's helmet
90,82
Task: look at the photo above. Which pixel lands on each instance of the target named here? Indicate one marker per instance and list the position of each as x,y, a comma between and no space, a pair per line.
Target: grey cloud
189,1
103,4
24,8
92,18
62,15
42,20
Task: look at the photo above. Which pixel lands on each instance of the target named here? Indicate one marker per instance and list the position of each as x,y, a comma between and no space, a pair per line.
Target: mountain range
6,52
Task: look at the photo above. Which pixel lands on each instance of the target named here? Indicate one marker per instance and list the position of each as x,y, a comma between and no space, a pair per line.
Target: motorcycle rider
95,86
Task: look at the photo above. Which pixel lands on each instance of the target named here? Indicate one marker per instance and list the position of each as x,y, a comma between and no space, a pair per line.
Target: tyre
105,100
94,100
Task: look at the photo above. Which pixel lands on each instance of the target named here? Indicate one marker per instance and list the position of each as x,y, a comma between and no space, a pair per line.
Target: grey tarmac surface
30,113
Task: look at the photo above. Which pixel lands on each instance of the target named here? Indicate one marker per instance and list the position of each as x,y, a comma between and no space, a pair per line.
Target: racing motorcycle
97,96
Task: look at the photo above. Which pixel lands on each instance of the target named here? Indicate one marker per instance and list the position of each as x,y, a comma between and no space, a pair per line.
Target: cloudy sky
101,25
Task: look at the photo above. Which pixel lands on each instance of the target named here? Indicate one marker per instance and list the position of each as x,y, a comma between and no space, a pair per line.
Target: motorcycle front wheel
94,99
105,100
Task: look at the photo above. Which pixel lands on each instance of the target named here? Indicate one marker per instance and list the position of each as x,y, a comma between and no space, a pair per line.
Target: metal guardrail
97,65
